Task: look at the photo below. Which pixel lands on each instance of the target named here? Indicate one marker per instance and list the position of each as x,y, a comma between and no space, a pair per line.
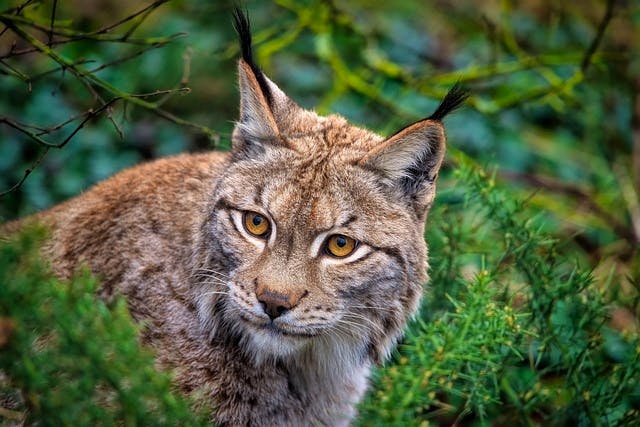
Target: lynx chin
273,277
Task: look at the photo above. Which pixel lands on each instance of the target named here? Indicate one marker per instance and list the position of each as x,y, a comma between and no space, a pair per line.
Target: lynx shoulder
273,277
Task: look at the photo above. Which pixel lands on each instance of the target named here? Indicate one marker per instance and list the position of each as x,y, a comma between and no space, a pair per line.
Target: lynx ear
257,120
410,159
262,104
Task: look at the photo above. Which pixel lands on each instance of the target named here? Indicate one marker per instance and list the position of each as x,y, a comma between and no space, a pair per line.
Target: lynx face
320,250
315,230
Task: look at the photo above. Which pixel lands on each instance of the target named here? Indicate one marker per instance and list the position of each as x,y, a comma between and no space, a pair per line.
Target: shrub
69,359
511,333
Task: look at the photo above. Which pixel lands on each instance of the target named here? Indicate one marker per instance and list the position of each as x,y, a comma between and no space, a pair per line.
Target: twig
53,20
158,41
38,76
184,81
150,7
88,115
10,69
47,145
91,79
55,36
212,135
55,128
11,123
586,61
139,22
125,58
18,9
43,130
75,35
115,124
69,65
27,172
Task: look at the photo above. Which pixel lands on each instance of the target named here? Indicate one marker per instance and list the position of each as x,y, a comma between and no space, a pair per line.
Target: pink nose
275,304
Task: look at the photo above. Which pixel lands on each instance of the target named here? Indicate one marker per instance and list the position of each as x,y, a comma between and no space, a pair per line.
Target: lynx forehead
273,277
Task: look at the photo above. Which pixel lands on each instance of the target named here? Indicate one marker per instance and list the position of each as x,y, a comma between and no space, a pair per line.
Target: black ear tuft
243,28
452,100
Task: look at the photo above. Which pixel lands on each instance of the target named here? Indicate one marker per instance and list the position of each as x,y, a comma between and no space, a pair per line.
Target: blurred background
90,87
555,107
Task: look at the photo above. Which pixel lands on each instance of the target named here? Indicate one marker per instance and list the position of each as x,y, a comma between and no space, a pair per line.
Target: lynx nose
274,303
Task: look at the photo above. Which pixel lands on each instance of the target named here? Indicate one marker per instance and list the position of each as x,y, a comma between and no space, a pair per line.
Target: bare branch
43,38
76,35
10,69
27,172
586,61
126,58
156,42
145,11
53,20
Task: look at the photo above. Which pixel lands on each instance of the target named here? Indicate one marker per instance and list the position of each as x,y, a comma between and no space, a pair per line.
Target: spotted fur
169,236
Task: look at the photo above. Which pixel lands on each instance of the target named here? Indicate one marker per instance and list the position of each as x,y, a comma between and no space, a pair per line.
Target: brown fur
169,236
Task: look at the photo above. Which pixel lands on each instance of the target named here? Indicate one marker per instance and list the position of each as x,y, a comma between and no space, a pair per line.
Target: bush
511,333
68,358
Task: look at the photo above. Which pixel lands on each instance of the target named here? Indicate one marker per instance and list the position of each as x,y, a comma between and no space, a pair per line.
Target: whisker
352,326
356,316
208,271
214,293
214,281
209,276
341,333
373,307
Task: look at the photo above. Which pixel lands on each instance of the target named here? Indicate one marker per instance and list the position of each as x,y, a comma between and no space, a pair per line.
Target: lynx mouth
273,329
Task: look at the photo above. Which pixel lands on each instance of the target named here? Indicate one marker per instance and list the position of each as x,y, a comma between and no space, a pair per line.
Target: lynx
273,277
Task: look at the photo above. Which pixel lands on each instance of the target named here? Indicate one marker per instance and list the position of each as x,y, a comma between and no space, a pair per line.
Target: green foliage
531,265
516,336
68,358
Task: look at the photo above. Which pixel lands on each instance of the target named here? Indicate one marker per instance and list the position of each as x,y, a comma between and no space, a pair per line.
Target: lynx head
315,233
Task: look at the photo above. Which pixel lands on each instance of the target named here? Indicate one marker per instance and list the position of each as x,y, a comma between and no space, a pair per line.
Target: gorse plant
511,332
69,358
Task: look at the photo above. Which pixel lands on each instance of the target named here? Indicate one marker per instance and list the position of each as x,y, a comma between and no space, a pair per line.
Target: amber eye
256,224
340,246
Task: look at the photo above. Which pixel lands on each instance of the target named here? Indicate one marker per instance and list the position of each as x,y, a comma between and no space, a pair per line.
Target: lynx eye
340,246
256,224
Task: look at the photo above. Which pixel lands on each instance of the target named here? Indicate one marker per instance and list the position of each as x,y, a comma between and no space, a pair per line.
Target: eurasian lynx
273,277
